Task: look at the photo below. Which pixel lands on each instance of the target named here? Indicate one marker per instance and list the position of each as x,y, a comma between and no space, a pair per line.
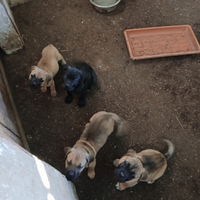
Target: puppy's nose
71,173
121,174
33,84
67,85
70,176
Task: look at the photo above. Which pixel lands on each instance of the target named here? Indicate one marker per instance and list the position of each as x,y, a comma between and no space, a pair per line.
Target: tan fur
94,136
141,172
47,68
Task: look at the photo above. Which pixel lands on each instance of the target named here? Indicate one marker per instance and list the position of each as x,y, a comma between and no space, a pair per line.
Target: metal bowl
101,8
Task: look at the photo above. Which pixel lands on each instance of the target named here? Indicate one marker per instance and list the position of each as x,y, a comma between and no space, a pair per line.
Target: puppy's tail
122,126
170,149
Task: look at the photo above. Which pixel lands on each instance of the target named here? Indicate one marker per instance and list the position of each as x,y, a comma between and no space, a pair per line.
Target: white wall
10,39
25,177
8,124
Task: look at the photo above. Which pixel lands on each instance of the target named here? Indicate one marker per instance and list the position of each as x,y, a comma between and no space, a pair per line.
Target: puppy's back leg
150,182
60,58
159,174
123,186
63,61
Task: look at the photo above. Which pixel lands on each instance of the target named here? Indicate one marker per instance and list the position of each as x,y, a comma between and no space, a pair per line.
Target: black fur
78,80
152,163
123,172
35,82
72,173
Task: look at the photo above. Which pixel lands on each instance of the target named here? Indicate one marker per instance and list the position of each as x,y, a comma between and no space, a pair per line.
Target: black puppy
78,80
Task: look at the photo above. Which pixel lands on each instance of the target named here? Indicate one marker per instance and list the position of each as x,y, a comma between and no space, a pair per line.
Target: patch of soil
159,97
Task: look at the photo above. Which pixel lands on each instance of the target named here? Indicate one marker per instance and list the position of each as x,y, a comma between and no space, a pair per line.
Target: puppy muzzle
124,173
34,84
67,87
120,175
71,175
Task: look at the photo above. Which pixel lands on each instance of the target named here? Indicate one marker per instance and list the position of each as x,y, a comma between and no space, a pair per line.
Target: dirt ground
160,97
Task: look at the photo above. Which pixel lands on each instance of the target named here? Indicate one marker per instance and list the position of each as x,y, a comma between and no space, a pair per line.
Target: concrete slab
10,39
23,176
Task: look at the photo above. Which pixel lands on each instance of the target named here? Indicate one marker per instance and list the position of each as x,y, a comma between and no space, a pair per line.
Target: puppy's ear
41,80
48,78
32,75
89,158
133,175
131,153
67,149
33,67
65,68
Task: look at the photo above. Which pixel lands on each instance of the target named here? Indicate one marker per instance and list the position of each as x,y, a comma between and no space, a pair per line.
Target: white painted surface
10,40
25,177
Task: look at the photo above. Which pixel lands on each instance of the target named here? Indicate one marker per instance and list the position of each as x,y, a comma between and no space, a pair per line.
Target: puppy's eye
126,164
133,174
132,167
69,162
80,167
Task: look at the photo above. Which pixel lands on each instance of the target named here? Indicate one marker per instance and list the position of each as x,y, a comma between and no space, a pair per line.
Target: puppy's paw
116,162
68,99
117,186
120,186
81,103
91,174
43,89
150,182
63,62
53,93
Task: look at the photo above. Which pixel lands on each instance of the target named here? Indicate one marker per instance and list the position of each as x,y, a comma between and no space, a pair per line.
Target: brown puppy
42,74
147,166
94,136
